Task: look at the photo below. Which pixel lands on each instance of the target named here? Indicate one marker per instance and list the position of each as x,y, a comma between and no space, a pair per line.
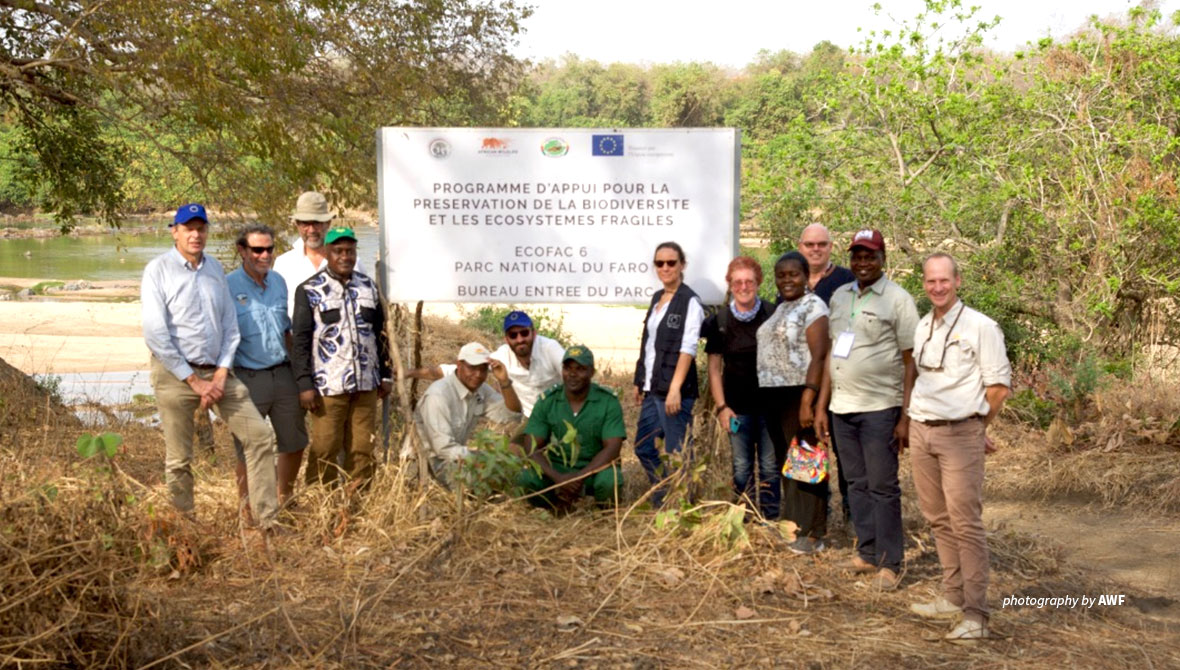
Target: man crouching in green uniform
586,463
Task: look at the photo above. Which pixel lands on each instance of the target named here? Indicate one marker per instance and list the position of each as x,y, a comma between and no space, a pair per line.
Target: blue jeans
867,454
750,442
655,422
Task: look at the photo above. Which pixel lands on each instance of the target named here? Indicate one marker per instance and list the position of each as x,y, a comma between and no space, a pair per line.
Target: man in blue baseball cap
533,361
191,328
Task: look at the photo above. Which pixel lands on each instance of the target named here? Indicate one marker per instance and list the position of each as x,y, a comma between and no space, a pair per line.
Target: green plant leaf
87,445
110,443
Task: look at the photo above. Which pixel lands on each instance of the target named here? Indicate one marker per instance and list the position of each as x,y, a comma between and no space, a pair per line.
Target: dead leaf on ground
744,612
671,576
569,621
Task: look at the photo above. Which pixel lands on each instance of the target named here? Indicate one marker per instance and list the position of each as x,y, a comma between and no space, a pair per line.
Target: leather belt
935,423
200,366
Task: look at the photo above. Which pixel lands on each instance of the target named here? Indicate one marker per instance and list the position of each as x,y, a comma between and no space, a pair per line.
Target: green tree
255,101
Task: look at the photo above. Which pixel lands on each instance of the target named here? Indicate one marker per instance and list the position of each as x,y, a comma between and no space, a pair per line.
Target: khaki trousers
177,402
342,422
948,476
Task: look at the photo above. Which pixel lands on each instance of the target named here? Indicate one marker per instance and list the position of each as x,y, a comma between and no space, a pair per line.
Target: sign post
553,215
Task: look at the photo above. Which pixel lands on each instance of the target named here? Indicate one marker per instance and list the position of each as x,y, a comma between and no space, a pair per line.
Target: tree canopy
238,104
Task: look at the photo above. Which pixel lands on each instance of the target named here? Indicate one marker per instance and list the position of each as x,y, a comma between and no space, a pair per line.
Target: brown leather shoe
856,565
885,580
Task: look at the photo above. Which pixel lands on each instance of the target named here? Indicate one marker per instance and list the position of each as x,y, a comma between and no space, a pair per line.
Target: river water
115,256
112,257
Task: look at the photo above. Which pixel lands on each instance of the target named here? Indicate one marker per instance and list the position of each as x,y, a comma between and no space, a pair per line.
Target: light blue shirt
262,319
188,314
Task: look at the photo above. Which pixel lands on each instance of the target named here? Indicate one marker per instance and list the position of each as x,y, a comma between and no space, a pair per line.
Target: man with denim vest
341,361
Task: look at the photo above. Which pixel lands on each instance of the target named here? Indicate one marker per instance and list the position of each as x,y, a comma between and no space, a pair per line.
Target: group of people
303,333
830,363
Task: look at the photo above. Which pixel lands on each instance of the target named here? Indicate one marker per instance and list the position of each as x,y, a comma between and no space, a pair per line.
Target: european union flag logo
606,145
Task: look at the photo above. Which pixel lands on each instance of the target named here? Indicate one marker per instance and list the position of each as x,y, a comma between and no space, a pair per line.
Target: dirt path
1138,551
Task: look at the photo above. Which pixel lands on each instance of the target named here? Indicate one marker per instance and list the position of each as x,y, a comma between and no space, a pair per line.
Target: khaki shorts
274,393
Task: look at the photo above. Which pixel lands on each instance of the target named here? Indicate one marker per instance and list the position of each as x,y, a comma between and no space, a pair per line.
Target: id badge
843,345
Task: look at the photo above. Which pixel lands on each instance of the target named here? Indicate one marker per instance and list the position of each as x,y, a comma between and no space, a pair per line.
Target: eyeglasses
311,223
671,264
521,334
945,341
261,250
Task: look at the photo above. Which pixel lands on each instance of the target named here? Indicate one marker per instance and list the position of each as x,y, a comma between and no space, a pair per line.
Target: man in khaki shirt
450,408
963,379
869,375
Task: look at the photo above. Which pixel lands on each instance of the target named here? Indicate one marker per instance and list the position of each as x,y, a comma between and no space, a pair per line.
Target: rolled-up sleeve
994,367
494,408
230,336
155,323
694,315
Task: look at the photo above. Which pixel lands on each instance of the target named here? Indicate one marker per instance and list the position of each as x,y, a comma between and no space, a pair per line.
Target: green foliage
1031,409
492,466
50,385
1073,387
240,105
489,319
40,288
107,444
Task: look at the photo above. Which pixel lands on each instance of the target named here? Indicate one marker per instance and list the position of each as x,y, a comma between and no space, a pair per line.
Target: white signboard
553,215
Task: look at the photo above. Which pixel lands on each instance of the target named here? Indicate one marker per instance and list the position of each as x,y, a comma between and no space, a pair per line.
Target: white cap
474,353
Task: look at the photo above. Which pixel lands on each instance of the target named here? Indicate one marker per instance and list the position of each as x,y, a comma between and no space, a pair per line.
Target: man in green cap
585,462
340,357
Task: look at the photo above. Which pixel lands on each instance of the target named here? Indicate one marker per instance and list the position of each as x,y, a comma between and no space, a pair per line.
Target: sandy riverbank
82,333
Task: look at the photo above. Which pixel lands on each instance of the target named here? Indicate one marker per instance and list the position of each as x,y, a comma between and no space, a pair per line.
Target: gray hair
940,254
254,229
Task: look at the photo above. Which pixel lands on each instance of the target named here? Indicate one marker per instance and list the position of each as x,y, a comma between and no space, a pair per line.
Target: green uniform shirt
600,418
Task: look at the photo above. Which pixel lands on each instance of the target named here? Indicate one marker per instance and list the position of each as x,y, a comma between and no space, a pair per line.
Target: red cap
869,239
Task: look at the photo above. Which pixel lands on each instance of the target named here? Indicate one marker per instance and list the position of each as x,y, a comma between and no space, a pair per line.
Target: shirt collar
877,287
184,261
456,385
949,317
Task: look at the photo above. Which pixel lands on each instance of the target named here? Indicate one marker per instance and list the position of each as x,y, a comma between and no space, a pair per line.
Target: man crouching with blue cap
587,464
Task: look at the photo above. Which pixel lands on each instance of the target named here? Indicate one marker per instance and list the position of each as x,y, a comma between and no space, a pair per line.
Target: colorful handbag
806,463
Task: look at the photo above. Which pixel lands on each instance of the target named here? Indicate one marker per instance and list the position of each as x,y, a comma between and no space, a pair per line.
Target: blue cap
186,213
517,318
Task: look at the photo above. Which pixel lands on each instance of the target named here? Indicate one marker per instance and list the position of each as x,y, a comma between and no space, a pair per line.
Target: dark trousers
869,459
841,482
780,411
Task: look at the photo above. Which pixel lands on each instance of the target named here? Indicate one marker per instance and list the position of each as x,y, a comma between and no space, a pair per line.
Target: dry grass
398,577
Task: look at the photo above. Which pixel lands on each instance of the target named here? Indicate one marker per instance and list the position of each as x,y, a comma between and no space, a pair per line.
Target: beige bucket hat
312,206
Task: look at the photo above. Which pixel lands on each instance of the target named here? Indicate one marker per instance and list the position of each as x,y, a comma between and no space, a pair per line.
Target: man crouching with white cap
449,410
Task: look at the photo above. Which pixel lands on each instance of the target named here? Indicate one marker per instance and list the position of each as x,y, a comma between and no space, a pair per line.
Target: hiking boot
939,608
806,545
968,631
856,565
884,580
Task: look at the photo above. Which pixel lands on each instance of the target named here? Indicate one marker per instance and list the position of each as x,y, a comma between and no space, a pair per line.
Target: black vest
668,337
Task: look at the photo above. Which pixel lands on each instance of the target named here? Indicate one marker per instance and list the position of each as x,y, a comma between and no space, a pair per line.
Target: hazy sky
731,32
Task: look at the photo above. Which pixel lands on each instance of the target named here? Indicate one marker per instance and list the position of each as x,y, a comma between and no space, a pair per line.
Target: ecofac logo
554,147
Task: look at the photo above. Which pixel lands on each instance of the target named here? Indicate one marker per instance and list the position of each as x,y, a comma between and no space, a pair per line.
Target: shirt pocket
961,358
872,327
367,307
331,310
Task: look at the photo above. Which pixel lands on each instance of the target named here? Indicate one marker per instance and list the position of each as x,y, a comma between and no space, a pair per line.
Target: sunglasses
261,250
519,334
671,264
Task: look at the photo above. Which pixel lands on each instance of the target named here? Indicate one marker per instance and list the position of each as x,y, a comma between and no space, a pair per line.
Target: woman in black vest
666,375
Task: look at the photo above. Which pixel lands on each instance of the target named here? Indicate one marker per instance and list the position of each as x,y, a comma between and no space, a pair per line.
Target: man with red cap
867,386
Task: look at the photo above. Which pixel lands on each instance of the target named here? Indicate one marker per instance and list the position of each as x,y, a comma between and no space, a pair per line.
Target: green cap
581,354
337,234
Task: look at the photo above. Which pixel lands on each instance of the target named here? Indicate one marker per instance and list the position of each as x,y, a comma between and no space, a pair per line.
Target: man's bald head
816,244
